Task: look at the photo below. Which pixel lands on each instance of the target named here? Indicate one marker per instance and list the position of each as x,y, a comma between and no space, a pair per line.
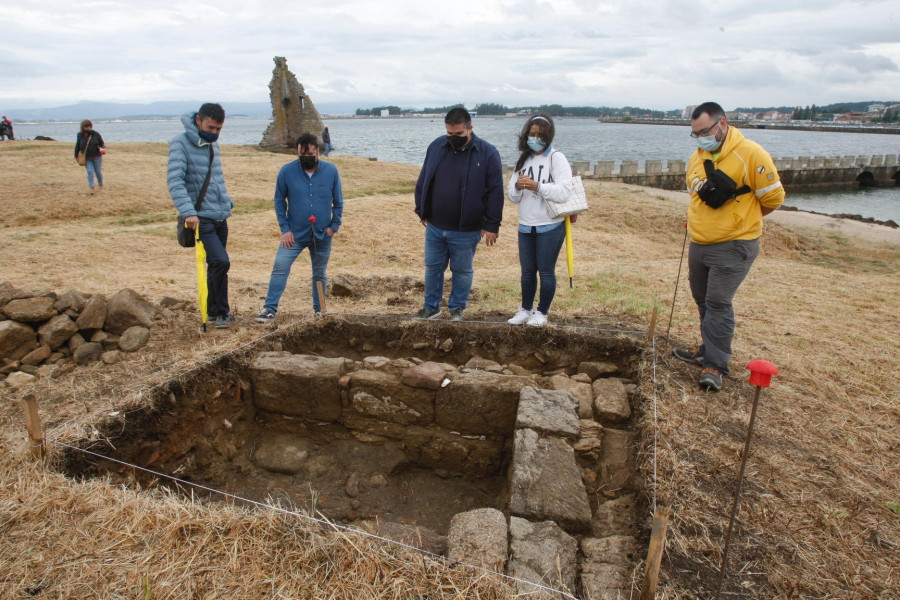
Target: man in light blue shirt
308,204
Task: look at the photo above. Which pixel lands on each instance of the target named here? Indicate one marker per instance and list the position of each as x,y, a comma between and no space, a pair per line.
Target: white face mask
708,143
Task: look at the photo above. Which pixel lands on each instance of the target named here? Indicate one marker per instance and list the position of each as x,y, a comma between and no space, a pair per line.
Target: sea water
404,140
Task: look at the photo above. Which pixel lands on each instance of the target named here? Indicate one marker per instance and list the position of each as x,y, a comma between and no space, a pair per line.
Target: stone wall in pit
564,440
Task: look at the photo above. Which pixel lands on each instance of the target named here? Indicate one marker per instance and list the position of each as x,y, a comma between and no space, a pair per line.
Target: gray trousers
716,272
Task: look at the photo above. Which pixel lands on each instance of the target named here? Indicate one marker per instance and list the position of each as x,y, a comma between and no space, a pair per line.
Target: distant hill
114,110
827,108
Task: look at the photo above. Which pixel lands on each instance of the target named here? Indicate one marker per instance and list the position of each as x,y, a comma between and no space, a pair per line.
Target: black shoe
689,356
225,321
711,379
428,314
265,316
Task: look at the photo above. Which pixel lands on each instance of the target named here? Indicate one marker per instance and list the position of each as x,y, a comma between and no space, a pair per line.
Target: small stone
352,487
111,357
87,353
30,310
70,300
75,341
446,346
134,338
93,315
37,356
427,375
168,302
19,379
342,286
595,369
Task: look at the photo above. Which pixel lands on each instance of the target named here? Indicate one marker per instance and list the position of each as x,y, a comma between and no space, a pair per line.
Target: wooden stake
321,289
652,329
655,553
33,424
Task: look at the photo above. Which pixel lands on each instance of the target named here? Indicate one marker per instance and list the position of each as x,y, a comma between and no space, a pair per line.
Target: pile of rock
45,334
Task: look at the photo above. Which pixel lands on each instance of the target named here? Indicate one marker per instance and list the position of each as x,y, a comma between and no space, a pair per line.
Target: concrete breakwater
803,172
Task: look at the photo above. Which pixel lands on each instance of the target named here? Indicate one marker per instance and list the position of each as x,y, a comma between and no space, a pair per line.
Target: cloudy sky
661,55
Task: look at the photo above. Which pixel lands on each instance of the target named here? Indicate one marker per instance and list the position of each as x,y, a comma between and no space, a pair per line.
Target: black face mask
308,162
458,141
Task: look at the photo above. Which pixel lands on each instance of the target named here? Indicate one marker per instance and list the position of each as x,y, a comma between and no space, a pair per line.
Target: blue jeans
537,254
327,148
715,273
456,248
214,235
92,166
319,253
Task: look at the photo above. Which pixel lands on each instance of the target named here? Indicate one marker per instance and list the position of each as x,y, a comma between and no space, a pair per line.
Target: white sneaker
520,317
537,319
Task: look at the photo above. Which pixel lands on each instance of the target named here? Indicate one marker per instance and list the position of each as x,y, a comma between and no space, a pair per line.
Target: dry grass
819,517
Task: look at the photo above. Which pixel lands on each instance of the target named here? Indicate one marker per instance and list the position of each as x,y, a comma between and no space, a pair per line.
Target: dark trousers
716,272
537,256
214,235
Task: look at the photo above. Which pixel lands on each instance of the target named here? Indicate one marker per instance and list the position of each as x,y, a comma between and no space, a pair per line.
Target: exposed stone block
436,448
480,403
479,537
383,397
545,482
548,411
615,517
595,369
581,391
542,553
610,400
297,384
616,462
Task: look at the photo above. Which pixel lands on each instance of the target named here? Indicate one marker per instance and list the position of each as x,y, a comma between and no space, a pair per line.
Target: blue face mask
536,144
708,143
207,136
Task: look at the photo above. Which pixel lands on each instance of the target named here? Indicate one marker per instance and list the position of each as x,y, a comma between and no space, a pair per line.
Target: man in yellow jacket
733,185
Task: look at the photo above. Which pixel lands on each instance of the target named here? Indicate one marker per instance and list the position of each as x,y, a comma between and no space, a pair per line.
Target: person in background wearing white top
542,175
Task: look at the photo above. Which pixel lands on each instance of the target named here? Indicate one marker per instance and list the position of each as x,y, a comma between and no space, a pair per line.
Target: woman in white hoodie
542,175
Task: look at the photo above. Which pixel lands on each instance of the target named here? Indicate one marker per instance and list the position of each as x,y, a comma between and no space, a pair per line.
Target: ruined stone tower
293,112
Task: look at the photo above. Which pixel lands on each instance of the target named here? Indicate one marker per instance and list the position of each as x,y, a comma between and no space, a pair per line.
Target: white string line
452,563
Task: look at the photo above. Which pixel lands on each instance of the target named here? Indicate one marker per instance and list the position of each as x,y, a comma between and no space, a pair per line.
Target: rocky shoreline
889,223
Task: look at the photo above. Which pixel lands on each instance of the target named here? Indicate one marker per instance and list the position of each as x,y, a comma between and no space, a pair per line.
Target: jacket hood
190,126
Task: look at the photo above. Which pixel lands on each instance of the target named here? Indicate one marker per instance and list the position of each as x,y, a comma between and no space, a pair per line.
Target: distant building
688,111
385,112
876,108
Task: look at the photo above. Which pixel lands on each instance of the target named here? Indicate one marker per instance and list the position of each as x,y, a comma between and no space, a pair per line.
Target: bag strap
206,182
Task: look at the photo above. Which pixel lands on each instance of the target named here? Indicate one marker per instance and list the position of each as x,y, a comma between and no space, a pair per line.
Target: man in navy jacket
459,200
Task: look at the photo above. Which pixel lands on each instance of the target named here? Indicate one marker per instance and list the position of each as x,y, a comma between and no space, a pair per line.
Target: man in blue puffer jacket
190,154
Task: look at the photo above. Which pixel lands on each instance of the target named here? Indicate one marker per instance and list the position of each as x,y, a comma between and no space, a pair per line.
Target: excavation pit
398,426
